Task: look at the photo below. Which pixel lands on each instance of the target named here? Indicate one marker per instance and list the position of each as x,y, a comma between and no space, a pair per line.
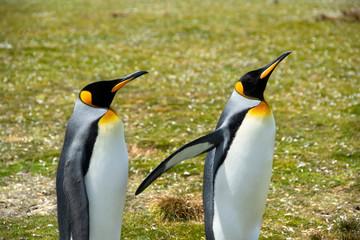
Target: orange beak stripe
120,85
267,71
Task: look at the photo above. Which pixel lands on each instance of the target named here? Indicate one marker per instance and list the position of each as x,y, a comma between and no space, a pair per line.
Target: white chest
106,182
242,181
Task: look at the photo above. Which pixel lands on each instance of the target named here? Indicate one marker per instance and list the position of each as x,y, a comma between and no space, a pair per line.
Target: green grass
194,52
34,227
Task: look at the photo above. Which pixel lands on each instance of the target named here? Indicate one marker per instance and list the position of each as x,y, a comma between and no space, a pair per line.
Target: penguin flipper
189,150
76,197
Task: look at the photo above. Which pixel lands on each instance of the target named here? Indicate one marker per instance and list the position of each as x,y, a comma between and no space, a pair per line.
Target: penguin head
101,94
253,83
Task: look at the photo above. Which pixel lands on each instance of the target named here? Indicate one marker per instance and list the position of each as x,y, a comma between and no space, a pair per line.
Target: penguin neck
261,110
110,118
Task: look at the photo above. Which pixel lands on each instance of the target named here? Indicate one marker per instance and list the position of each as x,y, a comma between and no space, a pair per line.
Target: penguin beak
123,81
270,67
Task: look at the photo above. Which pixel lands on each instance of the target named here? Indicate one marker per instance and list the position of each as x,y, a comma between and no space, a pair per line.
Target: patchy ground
25,194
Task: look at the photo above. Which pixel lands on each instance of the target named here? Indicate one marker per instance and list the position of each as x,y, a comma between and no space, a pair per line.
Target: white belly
242,181
106,182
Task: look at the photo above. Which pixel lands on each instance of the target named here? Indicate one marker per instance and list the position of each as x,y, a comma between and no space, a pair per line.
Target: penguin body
106,179
238,165
93,167
240,183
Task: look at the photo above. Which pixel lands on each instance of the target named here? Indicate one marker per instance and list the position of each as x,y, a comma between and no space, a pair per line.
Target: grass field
194,51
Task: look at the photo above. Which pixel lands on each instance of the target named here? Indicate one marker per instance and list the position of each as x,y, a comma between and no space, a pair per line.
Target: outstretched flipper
189,150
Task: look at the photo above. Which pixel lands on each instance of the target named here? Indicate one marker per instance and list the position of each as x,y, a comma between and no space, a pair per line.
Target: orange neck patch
262,109
109,117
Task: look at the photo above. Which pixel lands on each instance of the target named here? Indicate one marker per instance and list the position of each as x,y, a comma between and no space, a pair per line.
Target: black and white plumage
92,173
239,160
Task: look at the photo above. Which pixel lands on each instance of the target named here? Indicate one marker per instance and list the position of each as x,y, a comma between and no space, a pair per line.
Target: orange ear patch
86,97
110,116
240,89
262,109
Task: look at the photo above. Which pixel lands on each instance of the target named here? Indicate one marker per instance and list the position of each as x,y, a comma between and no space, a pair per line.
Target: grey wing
80,136
189,150
76,196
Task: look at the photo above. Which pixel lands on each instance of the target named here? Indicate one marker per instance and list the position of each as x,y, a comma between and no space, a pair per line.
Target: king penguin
238,164
92,173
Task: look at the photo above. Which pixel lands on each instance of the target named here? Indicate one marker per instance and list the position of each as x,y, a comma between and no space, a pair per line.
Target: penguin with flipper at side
92,173
239,161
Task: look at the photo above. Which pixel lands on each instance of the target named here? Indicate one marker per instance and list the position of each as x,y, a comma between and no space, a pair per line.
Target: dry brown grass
349,228
352,14
180,208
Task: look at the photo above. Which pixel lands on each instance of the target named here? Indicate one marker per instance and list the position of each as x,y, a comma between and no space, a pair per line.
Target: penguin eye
86,97
239,87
